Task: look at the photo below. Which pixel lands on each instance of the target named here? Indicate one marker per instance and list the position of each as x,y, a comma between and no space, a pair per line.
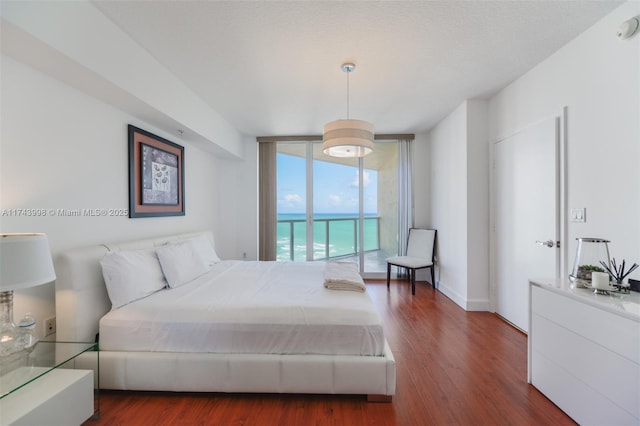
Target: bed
245,335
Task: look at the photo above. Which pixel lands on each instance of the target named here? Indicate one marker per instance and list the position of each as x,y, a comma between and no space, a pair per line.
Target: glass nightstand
23,373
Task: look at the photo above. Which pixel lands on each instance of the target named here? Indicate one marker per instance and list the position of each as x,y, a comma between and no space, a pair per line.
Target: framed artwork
156,175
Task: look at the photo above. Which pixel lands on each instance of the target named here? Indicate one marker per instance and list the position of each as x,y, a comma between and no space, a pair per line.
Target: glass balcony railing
333,237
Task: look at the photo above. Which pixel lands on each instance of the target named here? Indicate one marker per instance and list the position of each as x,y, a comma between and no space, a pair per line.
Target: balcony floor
375,264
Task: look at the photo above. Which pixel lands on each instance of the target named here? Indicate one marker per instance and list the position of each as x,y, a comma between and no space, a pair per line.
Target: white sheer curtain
405,193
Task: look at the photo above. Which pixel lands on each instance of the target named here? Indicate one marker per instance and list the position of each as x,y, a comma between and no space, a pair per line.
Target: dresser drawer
610,376
584,354
618,334
579,401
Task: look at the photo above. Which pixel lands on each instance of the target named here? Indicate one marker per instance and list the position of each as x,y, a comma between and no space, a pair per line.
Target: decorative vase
589,253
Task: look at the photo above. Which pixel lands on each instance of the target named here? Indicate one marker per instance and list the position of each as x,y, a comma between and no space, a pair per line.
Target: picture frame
156,175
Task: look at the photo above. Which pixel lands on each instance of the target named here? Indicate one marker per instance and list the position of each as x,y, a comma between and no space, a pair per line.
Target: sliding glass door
335,208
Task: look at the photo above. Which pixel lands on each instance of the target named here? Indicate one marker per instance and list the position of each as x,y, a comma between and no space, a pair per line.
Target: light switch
578,215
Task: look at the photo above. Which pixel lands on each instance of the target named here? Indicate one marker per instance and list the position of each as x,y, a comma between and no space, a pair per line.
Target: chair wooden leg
388,274
433,278
412,272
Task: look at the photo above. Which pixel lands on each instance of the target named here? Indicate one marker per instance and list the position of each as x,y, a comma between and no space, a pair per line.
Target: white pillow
131,275
204,248
182,262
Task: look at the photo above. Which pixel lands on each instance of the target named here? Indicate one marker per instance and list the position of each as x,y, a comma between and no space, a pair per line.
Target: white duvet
249,307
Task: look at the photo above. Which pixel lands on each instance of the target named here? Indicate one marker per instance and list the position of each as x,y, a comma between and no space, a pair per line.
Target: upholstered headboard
81,295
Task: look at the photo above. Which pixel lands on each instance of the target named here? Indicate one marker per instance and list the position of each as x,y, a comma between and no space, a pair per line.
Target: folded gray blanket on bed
343,276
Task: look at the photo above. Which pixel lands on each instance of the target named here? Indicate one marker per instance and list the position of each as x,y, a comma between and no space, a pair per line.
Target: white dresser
584,352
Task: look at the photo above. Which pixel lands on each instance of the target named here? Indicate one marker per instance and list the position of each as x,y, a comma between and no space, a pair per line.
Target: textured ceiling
273,68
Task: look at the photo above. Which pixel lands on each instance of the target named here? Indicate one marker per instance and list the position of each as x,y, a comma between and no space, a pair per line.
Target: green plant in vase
585,271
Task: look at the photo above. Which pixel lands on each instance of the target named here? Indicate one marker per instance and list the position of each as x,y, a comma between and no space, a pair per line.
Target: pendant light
347,138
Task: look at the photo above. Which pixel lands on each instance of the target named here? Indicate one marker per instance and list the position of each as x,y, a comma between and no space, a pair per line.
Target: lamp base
14,342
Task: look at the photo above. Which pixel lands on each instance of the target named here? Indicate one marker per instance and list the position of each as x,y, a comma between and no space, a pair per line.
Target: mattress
249,307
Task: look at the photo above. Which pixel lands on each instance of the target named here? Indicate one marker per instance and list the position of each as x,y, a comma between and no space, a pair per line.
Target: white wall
77,44
477,206
458,204
448,202
597,77
64,137
62,149
238,182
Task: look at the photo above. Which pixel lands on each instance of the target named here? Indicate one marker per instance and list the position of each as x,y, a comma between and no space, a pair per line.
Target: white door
526,216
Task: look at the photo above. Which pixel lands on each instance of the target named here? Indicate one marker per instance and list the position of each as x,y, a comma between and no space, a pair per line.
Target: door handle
549,243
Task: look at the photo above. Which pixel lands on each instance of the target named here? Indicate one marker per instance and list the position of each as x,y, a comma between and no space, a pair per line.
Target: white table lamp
25,261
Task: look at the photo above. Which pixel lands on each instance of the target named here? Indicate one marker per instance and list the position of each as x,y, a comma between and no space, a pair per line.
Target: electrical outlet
49,326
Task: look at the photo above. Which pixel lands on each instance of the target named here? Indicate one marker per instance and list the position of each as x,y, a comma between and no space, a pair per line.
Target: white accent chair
420,254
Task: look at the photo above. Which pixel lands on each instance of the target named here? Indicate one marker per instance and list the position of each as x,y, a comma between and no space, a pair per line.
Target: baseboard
467,305
451,294
481,305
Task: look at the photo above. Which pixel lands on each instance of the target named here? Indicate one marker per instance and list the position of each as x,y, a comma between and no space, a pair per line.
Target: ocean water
343,235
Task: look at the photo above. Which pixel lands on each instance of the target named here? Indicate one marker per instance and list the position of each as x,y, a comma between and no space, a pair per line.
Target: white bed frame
81,300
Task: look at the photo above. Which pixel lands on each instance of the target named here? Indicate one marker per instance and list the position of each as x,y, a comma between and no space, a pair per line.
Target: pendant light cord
348,72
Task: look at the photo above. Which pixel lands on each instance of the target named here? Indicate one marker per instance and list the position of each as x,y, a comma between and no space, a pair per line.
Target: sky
335,187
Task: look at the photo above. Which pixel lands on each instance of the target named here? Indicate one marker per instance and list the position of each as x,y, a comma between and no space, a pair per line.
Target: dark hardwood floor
453,368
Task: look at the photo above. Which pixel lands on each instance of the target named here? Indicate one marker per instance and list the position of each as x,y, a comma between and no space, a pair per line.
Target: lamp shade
25,261
347,138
